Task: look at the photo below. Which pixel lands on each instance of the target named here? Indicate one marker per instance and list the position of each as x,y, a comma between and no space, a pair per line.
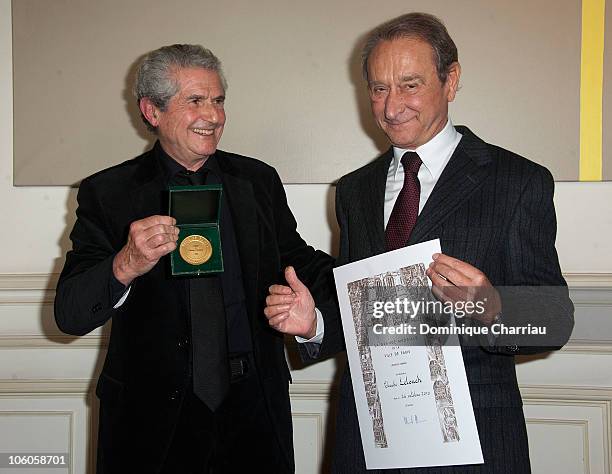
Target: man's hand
457,281
148,241
291,309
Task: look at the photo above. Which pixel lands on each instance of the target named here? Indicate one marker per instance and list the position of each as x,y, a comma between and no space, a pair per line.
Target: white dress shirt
435,155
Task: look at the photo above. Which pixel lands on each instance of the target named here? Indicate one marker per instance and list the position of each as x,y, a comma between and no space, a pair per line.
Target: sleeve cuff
318,337
492,338
119,292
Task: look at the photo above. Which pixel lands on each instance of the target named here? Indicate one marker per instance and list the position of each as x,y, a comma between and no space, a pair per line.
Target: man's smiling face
192,124
409,102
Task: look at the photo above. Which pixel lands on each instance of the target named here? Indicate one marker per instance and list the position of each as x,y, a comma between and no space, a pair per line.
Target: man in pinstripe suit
492,210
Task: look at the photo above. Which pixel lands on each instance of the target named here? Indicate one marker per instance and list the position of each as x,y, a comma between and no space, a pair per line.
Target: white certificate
413,401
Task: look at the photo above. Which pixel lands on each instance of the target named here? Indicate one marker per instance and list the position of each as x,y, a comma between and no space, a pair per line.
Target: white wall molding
588,280
588,347
59,341
577,396
591,293
309,404
563,392
318,419
51,413
310,401
46,387
572,399
94,341
45,396
583,425
22,283
27,288
310,390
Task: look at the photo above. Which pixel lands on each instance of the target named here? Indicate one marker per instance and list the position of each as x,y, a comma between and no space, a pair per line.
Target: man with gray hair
492,211
194,380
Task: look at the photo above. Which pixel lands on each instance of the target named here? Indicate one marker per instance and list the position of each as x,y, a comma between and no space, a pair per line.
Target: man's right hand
148,241
291,309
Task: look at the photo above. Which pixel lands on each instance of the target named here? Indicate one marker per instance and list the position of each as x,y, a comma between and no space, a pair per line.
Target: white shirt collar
433,154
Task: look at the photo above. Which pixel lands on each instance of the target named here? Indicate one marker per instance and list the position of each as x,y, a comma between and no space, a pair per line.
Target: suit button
184,342
512,348
175,394
95,308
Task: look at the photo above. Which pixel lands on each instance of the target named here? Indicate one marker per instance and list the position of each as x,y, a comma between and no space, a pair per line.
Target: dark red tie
406,208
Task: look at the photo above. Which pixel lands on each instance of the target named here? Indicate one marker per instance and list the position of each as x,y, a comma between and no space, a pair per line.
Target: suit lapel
147,195
463,175
241,200
374,202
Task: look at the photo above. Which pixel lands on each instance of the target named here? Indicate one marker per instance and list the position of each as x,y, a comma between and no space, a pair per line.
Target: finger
446,259
273,311
438,293
280,290
153,255
278,319
157,219
453,275
293,280
159,239
156,240
164,249
147,233
451,293
456,264
437,279
280,299
446,287
466,275
151,221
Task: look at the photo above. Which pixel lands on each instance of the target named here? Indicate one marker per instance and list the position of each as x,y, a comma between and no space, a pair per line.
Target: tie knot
411,162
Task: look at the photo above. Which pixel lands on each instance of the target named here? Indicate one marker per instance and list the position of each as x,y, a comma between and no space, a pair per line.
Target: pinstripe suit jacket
492,209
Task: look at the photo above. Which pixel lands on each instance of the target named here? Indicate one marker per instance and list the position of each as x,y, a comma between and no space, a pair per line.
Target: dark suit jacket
494,210
146,370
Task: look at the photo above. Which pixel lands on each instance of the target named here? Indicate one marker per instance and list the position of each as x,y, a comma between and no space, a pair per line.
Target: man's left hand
457,281
291,309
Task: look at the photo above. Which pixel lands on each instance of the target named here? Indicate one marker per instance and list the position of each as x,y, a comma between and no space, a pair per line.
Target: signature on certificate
413,420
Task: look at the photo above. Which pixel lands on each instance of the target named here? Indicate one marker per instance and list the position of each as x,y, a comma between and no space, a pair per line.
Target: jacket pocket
109,388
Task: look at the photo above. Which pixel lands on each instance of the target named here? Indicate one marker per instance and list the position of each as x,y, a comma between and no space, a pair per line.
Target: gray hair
423,26
155,78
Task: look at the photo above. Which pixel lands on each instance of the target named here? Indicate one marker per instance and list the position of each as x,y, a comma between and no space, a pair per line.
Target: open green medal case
196,210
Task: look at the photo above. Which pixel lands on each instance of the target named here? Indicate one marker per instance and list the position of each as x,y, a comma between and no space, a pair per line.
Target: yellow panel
591,89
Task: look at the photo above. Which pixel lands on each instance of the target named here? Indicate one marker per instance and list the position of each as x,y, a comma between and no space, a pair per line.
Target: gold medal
195,249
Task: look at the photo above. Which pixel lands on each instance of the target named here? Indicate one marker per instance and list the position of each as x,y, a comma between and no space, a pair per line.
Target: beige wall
38,217
296,95
45,381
